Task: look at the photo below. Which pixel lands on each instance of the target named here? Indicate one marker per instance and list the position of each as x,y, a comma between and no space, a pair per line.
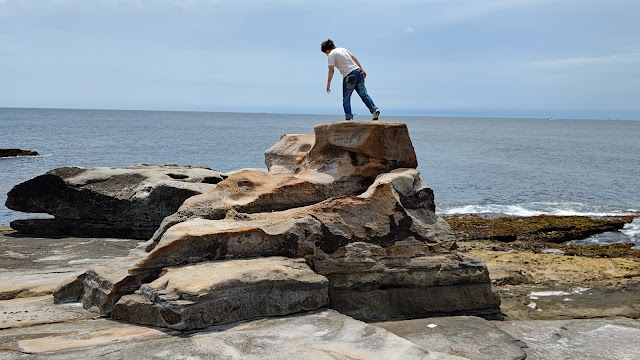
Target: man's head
327,46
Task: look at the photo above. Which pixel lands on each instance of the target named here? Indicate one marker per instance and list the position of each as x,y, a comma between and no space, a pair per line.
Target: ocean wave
27,157
541,208
632,229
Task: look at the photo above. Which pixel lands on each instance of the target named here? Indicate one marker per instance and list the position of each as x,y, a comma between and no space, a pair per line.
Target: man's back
341,58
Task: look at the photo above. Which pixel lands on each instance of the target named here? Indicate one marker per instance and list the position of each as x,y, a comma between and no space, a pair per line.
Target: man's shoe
375,115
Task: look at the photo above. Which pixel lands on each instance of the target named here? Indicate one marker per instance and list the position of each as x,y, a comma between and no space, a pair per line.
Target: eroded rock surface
317,335
127,202
354,209
220,292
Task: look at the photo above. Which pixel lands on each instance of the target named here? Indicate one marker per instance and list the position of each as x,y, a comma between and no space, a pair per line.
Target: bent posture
352,78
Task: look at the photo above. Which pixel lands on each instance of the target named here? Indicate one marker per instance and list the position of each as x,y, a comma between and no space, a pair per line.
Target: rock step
221,292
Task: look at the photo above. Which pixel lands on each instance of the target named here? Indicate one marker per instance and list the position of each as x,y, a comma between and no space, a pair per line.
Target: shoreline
518,269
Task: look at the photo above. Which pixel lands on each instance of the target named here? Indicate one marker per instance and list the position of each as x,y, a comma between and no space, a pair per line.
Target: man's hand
330,76
364,73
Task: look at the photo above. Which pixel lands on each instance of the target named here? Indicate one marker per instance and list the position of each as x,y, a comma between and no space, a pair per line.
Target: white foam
575,291
540,208
548,293
632,229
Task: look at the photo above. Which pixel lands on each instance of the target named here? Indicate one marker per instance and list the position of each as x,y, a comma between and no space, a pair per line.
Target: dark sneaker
375,115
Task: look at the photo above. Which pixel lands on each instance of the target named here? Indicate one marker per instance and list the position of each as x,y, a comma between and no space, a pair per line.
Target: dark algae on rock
17,152
548,228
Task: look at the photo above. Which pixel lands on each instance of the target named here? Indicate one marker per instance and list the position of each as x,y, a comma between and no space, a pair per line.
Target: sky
507,58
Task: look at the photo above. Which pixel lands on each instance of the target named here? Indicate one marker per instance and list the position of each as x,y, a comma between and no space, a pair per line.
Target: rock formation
348,224
17,152
127,202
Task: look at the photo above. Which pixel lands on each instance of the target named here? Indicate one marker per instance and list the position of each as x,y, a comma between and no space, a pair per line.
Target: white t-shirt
341,58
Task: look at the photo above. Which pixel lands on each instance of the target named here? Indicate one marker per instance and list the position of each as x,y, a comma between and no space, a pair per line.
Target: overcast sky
539,58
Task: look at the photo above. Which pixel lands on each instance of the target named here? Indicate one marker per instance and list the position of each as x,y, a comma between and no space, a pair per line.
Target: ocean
474,165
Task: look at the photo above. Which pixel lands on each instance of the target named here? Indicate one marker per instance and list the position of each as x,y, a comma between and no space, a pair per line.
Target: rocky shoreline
335,251
540,279
542,295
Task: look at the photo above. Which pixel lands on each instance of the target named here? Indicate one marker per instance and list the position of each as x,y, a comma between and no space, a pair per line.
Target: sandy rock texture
127,202
354,209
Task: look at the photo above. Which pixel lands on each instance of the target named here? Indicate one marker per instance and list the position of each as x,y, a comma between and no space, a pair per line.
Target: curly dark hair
327,45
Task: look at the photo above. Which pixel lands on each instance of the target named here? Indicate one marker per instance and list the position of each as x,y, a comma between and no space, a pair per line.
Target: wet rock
17,152
534,229
107,202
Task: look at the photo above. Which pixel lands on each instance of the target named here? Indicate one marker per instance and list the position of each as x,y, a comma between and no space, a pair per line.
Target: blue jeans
355,81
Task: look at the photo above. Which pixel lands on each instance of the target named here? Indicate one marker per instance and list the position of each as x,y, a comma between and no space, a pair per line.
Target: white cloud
408,29
454,11
583,61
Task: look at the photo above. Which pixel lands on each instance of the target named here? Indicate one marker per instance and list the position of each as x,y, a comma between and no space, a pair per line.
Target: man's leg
348,85
362,91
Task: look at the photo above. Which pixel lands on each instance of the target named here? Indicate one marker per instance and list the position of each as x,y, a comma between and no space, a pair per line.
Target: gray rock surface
125,202
37,310
320,335
221,292
33,266
589,339
471,337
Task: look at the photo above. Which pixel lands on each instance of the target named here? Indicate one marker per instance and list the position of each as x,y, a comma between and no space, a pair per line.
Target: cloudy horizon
520,58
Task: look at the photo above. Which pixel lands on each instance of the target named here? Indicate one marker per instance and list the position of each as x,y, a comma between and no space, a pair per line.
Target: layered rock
196,296
354,209
127,202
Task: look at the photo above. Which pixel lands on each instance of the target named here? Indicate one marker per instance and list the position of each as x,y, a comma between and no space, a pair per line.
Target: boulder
127,202
354,209
220,292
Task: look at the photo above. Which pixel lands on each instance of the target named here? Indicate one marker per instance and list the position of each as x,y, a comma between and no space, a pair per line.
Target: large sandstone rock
127,202
220,292
345,159
354,208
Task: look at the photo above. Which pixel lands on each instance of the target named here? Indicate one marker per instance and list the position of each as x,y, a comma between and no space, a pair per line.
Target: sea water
474,165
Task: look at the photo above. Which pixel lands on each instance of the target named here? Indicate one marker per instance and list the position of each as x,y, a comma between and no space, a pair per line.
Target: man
352,78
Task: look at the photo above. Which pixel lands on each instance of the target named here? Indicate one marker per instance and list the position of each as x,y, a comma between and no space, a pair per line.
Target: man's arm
331,69
360,66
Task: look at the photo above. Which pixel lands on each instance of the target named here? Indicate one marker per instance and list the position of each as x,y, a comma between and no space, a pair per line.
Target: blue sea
474,165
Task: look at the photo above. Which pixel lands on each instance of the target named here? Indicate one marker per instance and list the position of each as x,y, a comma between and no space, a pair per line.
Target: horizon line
438,114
